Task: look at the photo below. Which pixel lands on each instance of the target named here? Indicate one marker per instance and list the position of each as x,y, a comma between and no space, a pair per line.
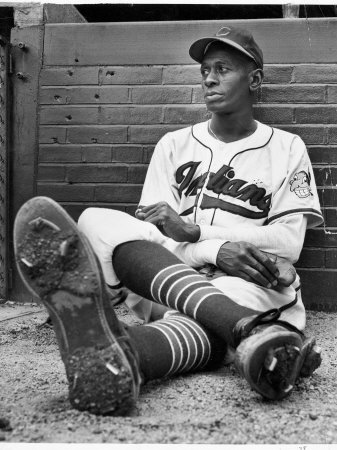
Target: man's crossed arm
248,252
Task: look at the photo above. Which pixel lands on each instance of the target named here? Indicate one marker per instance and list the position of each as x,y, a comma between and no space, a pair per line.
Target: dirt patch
209,407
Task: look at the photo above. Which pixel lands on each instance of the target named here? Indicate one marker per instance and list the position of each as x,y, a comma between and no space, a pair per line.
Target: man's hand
169,222
287,271
244,260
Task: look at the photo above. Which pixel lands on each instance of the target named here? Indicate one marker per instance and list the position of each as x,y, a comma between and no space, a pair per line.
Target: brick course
332,94
96,173
100,153
96,134
88,94
274,114
285,93
130,75
323,154
66,76
161,94
314,73
277,73
316,114
52,135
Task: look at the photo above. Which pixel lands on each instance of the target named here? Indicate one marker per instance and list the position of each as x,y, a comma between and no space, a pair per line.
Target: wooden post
26,40
290,11
4,166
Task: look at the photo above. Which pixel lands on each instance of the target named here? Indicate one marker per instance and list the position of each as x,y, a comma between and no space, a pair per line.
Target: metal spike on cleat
26,262
66,244
39,223
75,380
64,247
316,349
288,388
112,369
271,365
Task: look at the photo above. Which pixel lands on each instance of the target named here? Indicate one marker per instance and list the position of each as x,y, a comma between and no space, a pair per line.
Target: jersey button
202,222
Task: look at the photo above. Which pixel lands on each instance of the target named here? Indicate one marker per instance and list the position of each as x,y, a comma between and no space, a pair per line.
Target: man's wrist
192,232
223,244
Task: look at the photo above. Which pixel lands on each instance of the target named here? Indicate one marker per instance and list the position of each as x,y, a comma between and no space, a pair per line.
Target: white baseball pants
107,228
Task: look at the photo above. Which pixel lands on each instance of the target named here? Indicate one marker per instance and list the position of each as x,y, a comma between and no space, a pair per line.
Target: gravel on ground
203,408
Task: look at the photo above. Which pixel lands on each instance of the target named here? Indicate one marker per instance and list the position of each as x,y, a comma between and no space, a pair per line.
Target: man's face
225,80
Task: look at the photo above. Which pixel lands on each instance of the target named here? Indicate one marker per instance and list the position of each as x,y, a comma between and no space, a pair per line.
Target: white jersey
231,188
253,181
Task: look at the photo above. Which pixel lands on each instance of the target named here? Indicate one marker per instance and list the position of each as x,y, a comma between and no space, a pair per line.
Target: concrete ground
205,408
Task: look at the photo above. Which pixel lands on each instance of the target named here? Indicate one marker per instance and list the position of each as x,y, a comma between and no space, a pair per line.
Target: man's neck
230,127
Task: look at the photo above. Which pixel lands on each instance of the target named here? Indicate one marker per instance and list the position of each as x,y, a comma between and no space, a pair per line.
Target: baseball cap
237,38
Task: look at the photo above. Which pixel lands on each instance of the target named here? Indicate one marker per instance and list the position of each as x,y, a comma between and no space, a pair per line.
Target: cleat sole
272,360
65,275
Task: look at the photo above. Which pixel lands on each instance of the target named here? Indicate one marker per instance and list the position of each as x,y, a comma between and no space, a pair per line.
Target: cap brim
197,49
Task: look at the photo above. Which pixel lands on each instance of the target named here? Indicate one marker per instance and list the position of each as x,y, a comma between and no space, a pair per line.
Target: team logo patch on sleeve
300,184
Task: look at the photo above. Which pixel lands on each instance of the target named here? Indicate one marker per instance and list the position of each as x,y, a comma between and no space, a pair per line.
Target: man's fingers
251,275
254,263
265,261
150,212
156,209
154,218
146,209
258,277
260,268
247,277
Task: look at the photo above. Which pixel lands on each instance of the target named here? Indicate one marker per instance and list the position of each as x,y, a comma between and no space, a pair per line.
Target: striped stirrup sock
182,288
189,343
152,271
174,345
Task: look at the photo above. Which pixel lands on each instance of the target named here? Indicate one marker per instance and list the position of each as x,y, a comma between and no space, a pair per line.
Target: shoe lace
270,316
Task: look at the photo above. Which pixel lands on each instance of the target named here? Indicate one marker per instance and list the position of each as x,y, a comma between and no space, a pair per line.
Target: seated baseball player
221,220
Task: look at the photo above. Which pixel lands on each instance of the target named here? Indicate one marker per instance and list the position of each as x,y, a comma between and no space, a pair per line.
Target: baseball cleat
57,264
272,356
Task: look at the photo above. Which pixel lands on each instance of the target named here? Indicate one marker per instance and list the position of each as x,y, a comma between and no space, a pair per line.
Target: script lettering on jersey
222,182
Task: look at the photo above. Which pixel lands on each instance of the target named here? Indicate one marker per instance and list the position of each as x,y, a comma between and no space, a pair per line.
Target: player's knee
94,221
87,218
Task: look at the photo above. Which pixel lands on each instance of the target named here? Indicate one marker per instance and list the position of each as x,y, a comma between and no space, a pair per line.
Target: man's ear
256,79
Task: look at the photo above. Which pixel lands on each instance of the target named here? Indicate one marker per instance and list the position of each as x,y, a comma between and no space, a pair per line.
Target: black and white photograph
168,224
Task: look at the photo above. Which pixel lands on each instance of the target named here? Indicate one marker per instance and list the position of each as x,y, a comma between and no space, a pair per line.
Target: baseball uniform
259,189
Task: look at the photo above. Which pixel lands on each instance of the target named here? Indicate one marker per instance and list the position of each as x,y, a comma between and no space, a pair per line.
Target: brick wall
100,116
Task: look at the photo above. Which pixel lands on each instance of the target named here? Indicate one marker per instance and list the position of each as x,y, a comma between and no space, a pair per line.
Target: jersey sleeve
297,193
160,184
